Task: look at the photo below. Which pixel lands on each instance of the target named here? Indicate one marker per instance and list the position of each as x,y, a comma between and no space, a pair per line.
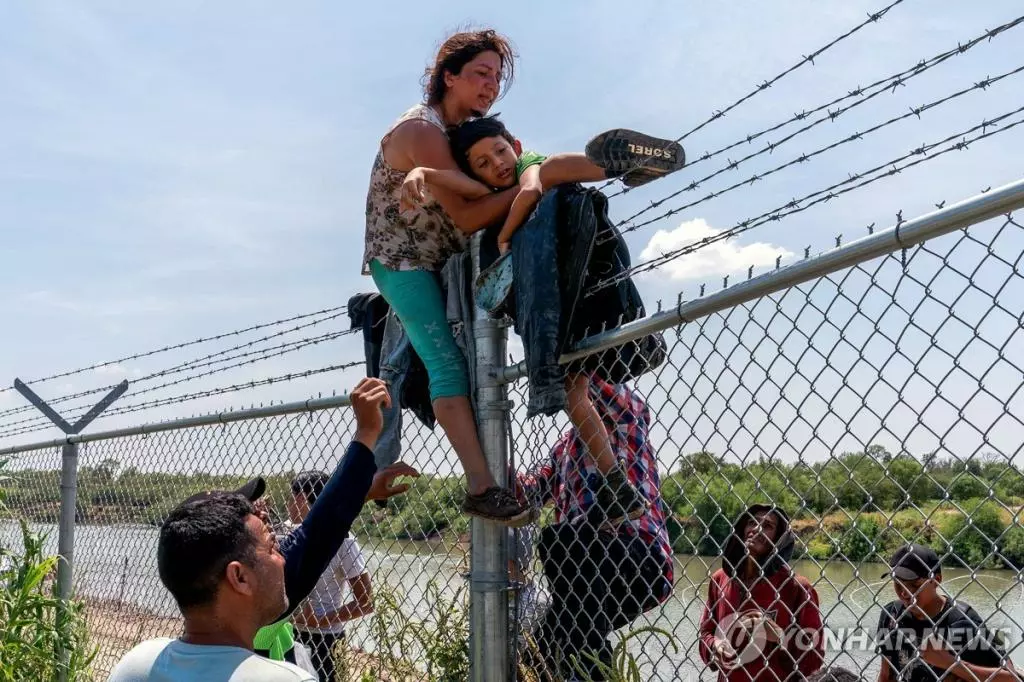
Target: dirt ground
116,628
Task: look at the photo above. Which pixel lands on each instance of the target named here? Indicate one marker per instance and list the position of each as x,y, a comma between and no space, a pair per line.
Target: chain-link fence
876,405
413,551
872,394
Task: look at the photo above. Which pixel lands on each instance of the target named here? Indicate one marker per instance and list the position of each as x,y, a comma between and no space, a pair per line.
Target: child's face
493,161
917,593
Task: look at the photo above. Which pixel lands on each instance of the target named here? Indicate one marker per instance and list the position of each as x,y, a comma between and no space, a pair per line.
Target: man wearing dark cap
220,560
922,633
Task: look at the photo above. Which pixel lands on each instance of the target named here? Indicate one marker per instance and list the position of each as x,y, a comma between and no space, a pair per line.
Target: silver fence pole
68,497
214,419
66,539
489,580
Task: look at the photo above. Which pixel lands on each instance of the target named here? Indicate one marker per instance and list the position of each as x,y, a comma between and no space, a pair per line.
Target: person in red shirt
761,622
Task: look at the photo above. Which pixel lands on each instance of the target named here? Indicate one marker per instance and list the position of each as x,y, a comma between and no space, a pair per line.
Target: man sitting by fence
925,636
219,559
761,620
601,576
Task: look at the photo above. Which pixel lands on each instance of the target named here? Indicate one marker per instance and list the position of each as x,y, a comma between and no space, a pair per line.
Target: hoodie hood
735,551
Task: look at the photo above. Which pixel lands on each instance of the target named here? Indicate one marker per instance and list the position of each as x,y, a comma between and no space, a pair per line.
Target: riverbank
976,532
403,573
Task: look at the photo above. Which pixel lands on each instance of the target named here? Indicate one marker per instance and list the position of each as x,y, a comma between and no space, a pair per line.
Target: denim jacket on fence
558,255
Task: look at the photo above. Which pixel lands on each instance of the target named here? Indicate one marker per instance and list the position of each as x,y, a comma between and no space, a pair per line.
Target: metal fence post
489,580
68,496
66,537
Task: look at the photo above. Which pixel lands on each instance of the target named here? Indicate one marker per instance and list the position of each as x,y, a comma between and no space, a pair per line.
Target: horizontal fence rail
312,405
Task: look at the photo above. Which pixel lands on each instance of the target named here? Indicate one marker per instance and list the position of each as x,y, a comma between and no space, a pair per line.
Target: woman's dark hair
309,484
457,51
197,542
463,136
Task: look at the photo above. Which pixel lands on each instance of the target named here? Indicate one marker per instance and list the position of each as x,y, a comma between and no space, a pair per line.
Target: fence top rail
298,407
976,209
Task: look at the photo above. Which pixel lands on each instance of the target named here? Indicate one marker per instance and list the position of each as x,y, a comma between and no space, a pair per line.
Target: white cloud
111,370
720,258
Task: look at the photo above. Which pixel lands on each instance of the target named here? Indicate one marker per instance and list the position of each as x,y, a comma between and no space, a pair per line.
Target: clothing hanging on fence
557,258
369,312
397,363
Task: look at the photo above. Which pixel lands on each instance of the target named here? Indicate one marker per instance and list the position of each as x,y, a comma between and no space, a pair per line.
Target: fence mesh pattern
413,550
876,405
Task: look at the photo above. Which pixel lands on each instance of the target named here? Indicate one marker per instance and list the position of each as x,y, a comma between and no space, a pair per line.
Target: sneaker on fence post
501,506
617,499
634,157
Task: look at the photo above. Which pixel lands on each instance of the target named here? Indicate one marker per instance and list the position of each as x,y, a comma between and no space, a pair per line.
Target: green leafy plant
438,643
624,666
34,624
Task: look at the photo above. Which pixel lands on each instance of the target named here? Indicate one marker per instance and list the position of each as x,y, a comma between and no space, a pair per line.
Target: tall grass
435,647
34,625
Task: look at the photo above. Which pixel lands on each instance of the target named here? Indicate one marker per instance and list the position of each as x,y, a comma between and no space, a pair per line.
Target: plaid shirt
564,477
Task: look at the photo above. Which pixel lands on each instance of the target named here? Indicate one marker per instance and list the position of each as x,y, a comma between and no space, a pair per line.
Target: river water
119,563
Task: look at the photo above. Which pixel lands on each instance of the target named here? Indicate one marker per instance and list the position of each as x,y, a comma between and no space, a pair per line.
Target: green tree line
858,505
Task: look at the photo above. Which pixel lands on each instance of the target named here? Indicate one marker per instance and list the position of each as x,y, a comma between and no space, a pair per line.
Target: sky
175,170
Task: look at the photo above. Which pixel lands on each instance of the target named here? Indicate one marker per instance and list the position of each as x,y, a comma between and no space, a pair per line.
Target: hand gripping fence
872,392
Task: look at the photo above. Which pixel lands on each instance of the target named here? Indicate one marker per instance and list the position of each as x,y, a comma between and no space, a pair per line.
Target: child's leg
585,418
617,498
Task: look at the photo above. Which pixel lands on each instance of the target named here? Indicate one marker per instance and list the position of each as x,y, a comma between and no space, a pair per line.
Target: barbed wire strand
178,346
914,112
866,94
873,17
191,364
186,397
827,194
263,354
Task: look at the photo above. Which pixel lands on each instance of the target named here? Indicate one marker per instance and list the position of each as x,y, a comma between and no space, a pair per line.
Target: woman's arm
454,181
419,143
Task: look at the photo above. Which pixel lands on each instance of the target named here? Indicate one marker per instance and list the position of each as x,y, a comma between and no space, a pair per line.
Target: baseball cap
914,562
252,491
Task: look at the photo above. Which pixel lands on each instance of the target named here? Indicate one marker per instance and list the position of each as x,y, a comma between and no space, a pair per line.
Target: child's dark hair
309,484
458,50
463,136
